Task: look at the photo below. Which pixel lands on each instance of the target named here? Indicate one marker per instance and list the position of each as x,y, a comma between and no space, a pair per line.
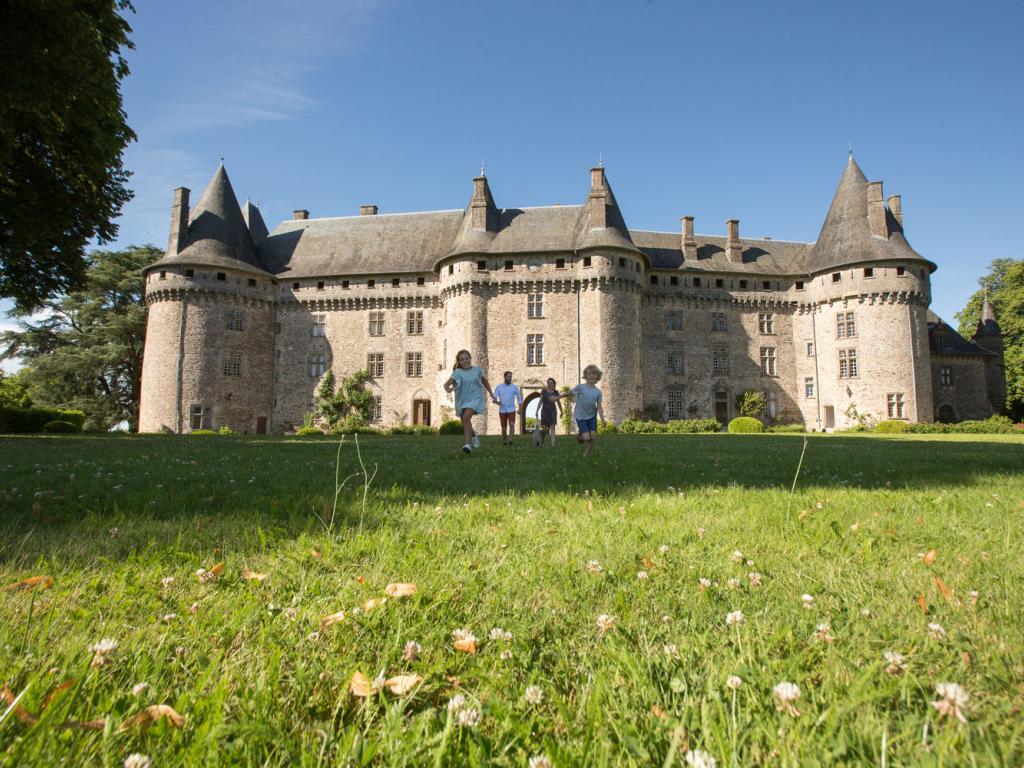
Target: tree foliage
86,352
1005,283
335,401
751,404
62,134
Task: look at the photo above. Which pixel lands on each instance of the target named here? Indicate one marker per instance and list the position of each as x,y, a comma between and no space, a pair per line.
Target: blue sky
714,109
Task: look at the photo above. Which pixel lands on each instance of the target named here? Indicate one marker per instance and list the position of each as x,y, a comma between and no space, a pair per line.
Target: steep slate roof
987,325
845,237
254,222
522,230
943,339
772,257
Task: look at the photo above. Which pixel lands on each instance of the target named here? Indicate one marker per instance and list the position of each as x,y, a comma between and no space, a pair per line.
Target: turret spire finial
482,166
600,160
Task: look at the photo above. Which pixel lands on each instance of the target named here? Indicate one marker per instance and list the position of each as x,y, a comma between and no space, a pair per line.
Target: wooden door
261,425
421,413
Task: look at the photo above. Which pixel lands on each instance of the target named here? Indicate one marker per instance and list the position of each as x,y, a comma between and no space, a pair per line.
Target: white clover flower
750,563
823,633
456,702
698,758
468,717
702,532
166,582
952,700
936,631
734,617
102,650
897,664
506,654
973,596
663,549
785,694
671,650
539,761
139,688
737,556
605,623
313,636
754,578
412,650
734,682
642,575
115,532
533,695
136,760
808,601
704,583
733,583
499,634
463,635
290,613
594,567
194,608
168,617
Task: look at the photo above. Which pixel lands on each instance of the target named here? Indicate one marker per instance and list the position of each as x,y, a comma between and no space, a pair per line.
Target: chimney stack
876,210
896,209
179,221
597,200
689,241
300,215
733,246
367,210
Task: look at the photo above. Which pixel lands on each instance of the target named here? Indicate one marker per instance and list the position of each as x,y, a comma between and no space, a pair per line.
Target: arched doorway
722,407
530,409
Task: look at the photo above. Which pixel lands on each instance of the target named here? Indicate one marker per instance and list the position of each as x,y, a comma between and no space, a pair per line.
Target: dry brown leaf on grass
373,602
19,711
151,715
467,645
85,725
922,603
218,570
253,576
43,582
400,590
648,563
334,618
658,712
402,684
361,579
360,686
314,554
52,695
944,589
930,557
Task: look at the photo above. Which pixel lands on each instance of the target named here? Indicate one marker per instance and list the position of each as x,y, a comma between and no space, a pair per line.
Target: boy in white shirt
509,396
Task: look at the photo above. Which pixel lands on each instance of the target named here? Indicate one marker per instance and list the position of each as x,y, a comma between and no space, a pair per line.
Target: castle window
376,408
200,417
375,364
414,364
535,349
534,305
674,362
414,323
810,349
847,363
799,285
371,283
481,266
837,276
622,261
421,281
586,261
376,323
232,363
766,323
675,404
674,320
319,326
508,266
163,274
894,405
946,376
559,263
654,279
638,266
809,387
743,285
869,272
719,282
719,360
718,322
189,273
766,285
396,282
696,282
768,361
451,269
316,364
222,276
295,286
673,280
846,326
901,271
344,284
320,285
771,405
252,282
234,319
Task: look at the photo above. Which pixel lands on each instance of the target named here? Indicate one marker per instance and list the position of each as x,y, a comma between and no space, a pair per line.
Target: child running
550,411
469,384
509,396
588,407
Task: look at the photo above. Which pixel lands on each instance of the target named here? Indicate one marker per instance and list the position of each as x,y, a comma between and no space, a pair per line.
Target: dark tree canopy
87,352
1005,284
62,135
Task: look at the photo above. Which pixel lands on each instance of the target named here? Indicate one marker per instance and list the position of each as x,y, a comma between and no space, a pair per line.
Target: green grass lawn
536,545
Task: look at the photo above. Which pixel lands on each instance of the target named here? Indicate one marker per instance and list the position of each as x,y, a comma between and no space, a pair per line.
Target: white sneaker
466,448
476,440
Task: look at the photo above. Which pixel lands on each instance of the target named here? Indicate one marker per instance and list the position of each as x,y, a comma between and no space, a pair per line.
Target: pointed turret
859,227
254,223
987,325
601,222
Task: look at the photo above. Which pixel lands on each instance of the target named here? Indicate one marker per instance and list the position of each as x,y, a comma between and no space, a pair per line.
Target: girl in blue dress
468,383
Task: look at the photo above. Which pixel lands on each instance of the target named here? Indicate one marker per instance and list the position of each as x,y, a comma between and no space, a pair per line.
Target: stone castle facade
243,323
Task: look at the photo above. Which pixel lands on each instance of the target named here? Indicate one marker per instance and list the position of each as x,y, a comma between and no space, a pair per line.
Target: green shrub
307,431
354,424
608,428
21,420
751,403
787,428
412,429
891,427
202,432
994,425
450,427
674,427
744,425
225,430
63,427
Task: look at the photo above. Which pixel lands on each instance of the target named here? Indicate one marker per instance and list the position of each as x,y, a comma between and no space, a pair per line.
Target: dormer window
719,282
743,285
673,280
901,271
163,274
252,282
189,273
508,266
766,285
396,282
696,282
295,286
586,261
799,285
481,266
320,285
837,276
869,272
222,276
371,283
654,279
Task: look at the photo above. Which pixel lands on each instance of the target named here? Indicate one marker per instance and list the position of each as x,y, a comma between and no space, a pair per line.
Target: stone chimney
689,241
896,209
876,211
597,200
367,210
300,215
483,213
733,246
179,221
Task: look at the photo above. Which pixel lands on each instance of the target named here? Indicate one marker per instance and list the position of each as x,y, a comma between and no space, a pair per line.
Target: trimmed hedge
202,432
411,429
787,428
307,431
450,427
59,427
745,425
674,427
608,428
21,420
994,425
892,427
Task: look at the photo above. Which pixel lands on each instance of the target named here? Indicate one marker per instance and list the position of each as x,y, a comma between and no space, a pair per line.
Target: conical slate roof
988,326
846,238
254,223
614,233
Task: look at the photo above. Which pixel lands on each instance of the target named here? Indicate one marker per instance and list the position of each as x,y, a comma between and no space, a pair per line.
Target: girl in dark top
550,411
